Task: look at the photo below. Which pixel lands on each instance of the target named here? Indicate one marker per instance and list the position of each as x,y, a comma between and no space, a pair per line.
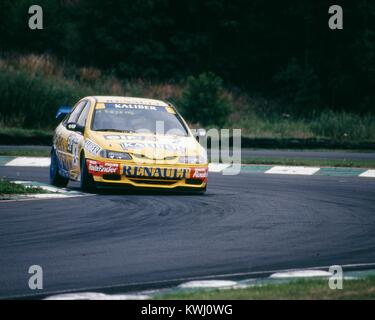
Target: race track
245,223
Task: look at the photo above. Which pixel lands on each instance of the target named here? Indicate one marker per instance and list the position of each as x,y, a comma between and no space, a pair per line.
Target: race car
126,141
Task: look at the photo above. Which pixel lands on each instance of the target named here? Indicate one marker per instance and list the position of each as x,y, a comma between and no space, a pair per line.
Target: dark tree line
281,49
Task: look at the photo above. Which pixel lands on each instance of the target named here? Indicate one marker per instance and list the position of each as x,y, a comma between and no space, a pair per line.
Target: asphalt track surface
126,241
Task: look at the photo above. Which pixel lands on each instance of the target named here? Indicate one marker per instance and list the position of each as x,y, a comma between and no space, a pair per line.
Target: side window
73,117
83,116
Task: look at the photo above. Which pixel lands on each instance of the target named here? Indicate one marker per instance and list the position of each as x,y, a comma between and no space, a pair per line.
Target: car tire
202,190
87,182
54,176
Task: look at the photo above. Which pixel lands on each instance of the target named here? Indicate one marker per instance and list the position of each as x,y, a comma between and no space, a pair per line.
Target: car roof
135,100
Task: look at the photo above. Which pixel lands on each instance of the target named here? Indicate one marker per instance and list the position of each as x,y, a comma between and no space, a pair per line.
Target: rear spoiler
62,112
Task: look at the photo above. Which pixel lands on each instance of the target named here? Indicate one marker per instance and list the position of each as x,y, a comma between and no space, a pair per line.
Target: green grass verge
264,122
21,132
7,187
19,136
315,289
25,153
311,162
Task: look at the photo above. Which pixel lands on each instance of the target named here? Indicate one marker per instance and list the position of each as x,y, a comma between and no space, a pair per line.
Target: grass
21,132
32,87
7,187
25,153
312,289
19,136
337,126
311,162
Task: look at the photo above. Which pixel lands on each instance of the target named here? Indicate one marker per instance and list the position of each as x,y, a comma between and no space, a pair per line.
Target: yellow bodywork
157,161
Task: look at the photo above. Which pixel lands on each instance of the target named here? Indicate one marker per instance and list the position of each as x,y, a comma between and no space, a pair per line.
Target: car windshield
140,118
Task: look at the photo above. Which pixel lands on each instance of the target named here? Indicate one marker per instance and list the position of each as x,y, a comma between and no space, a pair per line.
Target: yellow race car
126,141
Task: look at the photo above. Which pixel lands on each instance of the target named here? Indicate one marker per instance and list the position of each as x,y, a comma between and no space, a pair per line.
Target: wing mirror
200,133
75,127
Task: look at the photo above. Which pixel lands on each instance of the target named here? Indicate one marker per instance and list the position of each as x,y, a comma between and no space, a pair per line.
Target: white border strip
217,167
208,284
29,162
368,174
97,296
299,170
300,274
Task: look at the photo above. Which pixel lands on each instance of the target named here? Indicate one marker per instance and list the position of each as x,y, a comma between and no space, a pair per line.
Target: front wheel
201,190
54,176
87,182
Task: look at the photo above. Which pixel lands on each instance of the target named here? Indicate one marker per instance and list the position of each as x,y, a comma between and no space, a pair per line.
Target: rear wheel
54,176
87,182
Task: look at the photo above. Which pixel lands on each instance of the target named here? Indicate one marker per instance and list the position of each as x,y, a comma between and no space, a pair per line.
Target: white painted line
97,296
368,174
29,162
42,196
299,170
52,195
300,274
217,167
208,284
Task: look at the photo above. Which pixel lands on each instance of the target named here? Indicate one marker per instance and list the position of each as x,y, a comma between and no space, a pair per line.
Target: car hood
148,145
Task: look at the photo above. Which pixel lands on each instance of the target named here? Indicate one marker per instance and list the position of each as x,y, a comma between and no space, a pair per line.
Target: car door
65,149
75,139
62,142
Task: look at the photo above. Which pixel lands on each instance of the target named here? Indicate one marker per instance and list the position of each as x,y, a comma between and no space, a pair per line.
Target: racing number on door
72,148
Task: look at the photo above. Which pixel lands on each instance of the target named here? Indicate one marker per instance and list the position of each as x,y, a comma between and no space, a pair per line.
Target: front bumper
149,176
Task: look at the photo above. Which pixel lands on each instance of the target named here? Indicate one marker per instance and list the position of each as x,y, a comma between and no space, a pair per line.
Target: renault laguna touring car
126,141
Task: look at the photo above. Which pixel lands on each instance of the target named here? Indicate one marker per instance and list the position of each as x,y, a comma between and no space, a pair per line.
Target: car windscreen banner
134,106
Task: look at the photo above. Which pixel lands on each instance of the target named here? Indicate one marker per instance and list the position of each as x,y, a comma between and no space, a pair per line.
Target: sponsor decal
72,147
165,173
199,173
132,106
156,172
92,147
153,145
98,168
126,138
59,143
72,140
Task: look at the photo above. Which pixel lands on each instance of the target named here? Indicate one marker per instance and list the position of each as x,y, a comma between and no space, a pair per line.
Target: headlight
193,160
115,155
